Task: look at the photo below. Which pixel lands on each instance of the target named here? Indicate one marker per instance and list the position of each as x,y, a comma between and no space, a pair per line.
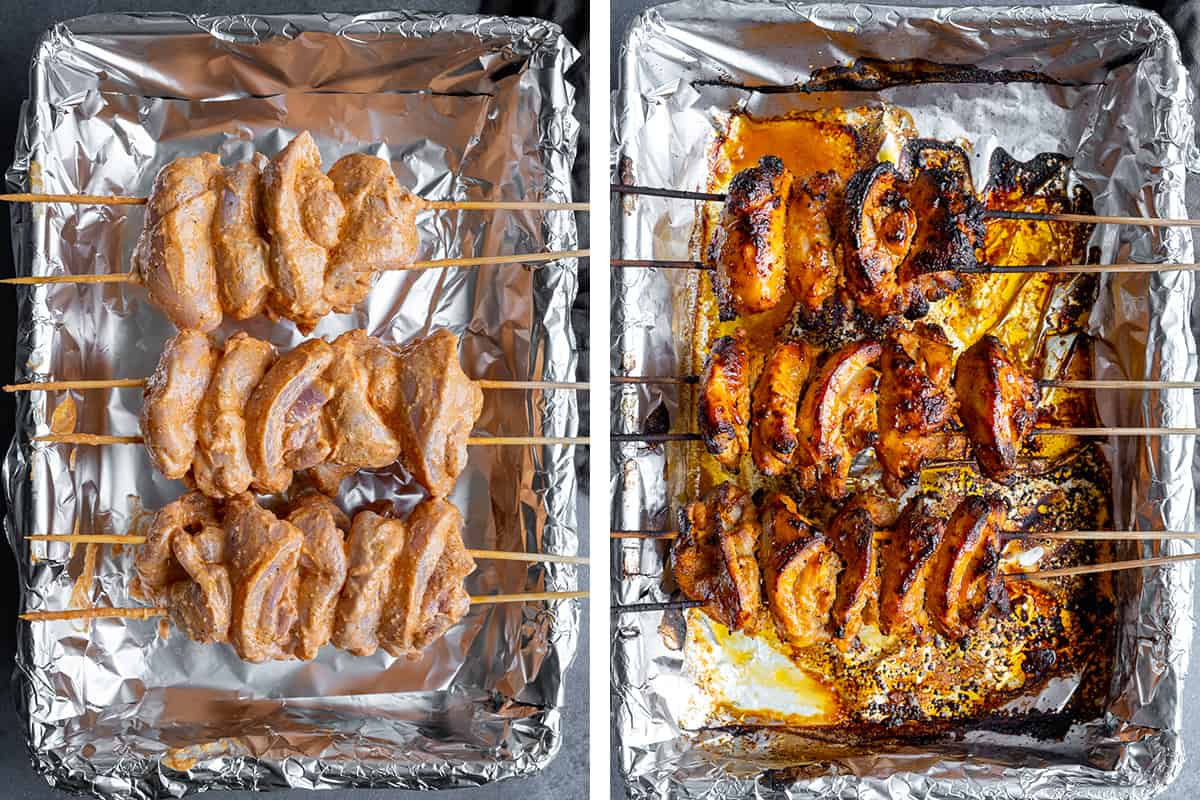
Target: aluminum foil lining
464,107
1119,102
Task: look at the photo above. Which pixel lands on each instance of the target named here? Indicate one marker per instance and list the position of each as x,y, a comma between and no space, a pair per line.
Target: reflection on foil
462,106
1118,103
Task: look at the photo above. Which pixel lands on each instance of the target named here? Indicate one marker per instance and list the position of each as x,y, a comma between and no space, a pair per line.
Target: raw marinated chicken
322,571
264,555
239,241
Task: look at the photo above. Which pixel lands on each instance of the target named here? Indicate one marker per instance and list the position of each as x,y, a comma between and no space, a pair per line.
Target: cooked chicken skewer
277,237
243,416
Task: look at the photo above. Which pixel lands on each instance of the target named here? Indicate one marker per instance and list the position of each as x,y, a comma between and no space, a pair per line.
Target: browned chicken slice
800,571
323,568
264,554
775,405
714,557
965,584
916,403
431,406
221,467
240,247
881,227
724,406
838,417
174,253
284,423
304,218
949,231
997,404
379,232
852,533
155,564
202,605
747,250
813,256
427,594
171,401
906,563
361,434
373,545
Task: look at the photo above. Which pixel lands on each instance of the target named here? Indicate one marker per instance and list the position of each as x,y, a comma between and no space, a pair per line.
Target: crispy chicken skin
881,224
284,429
997,404
965,584
171,401
240,246
427,594
264,555
747,252
852,533
322,571
800,572
838,416
373,545
906,563
304,217
916,403
174,253
714,557
220,466
813,250
379,232
724,406
775,434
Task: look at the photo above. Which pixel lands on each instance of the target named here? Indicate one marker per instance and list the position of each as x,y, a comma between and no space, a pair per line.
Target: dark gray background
21,23
1184,17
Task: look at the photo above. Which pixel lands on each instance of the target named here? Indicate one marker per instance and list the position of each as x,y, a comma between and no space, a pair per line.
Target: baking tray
1103,83
463,106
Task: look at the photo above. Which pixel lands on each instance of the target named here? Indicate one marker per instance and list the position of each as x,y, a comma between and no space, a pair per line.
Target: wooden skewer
147,612
438,205
1111,566
465,261
129,383
478,441
642,534
1034,216
128,539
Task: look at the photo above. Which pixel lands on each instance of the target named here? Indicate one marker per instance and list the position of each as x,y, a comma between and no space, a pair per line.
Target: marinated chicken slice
284,423
800,570
361,434
776,403
915,403
838,417
155,564
814,263
379,232
304,218
431,406
372,548
322,566
747,250
427,594
174,253
714,557
965,584
171,401
906,564
881,227
264,556
221,467
852,533
202,605
997,404
240,246
327,478
724,406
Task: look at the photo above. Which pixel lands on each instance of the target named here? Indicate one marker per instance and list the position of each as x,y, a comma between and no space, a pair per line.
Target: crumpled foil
1120,104
464,107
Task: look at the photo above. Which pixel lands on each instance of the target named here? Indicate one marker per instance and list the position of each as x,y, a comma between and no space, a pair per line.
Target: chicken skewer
282,586
276,237
242,416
